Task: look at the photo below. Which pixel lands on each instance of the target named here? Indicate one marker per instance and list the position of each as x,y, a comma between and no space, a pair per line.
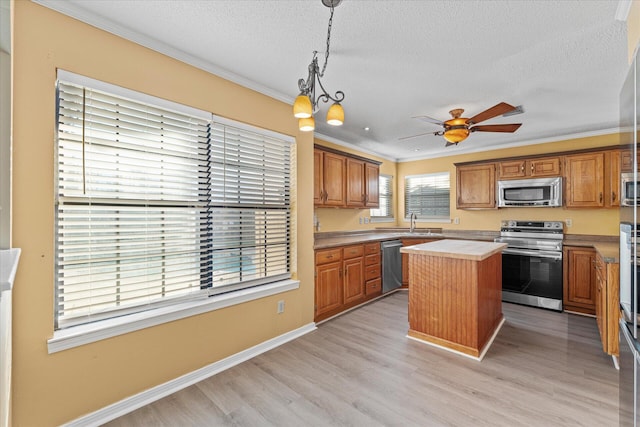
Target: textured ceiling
564,61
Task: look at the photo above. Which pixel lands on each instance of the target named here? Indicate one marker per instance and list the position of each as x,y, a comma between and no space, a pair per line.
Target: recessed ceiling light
416,149
366,128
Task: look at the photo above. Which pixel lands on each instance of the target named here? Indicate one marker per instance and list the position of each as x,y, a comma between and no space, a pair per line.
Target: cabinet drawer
372,272
372,248
349,252
328,255
373,287
372,259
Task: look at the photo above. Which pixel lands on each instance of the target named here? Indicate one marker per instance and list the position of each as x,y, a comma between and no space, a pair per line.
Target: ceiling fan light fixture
306,124
335,115
302,108
456,135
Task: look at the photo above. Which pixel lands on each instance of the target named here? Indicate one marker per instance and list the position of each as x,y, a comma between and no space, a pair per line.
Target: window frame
85,332
419,216
389,195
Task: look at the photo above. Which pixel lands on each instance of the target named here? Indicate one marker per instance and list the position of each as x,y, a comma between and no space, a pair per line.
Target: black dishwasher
391,265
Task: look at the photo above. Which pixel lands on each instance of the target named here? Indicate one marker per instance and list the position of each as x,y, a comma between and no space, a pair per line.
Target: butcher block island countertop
455,294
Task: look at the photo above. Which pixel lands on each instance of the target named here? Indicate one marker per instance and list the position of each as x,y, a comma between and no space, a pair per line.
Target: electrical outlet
366,220
360,220
281,306
569,222
456,220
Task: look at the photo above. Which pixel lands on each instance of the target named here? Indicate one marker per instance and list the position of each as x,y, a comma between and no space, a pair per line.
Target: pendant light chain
326,54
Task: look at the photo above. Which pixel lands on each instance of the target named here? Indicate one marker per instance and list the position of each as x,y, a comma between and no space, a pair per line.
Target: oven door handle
535,254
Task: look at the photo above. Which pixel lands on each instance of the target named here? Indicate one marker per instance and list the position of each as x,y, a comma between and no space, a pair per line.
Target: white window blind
250,207
156,207
385,209
427,196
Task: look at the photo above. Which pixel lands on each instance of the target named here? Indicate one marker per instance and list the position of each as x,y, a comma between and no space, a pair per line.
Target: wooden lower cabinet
607,304
579,290
328,288
353,280
345,277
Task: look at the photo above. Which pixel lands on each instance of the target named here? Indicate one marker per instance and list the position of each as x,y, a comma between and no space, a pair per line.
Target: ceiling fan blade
496,110
512,127
429,120
415,136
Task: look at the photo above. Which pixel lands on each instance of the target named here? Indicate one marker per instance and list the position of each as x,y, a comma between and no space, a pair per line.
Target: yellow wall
585,221
50,389
336,219
633,28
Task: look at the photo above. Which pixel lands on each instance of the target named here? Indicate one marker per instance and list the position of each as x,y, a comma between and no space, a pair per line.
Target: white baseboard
113,411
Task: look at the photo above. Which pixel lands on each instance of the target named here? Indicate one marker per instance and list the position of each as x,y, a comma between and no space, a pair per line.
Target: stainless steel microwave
533,192
628,189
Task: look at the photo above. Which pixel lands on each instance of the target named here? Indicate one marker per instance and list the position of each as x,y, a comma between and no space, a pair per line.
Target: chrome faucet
412,222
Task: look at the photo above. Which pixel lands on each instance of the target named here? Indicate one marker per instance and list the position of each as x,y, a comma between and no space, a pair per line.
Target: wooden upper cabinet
355,183
612,178
333,170
584,180
517,169
344,180
372,185
626,160
476,186
318,177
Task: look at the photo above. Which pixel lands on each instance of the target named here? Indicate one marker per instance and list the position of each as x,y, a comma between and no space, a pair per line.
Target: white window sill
84,334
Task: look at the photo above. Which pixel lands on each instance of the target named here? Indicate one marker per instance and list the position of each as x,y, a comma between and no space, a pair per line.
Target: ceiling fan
458,128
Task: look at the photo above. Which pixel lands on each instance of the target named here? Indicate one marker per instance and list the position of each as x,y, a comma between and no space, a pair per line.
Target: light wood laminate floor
359,369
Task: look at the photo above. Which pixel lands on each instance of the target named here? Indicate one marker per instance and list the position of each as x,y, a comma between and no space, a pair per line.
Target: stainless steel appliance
391,265
629,359
628,189
533,192
532,263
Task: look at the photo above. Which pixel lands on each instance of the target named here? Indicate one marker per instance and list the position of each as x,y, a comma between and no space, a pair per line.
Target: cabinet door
476,186
353,280
318,178
579,284
372,183
511,169
585,180
548,166
328,287
612,179
333,179
355,183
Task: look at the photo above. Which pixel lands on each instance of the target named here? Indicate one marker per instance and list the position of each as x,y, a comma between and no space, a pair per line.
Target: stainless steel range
532,263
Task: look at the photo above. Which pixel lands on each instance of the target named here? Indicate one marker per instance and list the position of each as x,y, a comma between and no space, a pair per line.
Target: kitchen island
455,294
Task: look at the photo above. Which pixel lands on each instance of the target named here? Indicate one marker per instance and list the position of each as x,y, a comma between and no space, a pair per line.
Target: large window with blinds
385,209
158,206
427,196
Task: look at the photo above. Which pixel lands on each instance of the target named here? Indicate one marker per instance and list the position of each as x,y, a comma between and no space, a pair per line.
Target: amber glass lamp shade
457,130
302,107
307,124
456,135
335,115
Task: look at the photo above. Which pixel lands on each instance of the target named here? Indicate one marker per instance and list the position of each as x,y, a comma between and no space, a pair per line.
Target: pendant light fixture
306,104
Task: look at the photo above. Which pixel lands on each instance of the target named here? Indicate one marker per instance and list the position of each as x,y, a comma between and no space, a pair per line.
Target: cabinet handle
613,196
329,256
601,197
531,167
522,168
326,196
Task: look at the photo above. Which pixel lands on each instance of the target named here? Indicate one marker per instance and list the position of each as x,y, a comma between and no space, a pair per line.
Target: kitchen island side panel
489,297
443,299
